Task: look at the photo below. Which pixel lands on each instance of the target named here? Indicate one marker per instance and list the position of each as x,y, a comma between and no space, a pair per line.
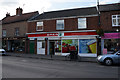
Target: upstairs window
4,33
60,25
82,23
16,31
115,20
39,26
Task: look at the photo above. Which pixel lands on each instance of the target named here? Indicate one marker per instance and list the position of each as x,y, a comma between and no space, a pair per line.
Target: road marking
114,67
24,60
101,66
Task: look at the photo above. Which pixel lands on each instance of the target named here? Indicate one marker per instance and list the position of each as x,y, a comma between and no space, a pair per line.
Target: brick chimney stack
8,14
19,11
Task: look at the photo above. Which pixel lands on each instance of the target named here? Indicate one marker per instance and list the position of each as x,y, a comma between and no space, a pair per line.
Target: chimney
19,11
8,14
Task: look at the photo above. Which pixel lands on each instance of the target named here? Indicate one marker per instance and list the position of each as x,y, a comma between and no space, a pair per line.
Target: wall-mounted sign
52,34
32,39
60,34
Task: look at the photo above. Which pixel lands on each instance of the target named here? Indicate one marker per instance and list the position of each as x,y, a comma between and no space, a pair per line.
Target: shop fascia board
64,37
63,31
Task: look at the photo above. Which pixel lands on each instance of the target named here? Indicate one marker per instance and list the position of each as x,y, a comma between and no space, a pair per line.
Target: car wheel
108,62
3,54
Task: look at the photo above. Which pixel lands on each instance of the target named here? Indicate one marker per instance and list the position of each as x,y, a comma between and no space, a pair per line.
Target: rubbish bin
73,55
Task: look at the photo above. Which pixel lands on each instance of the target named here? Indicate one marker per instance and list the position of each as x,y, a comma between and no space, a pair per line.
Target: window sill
82,28
116,26
39,30
60,29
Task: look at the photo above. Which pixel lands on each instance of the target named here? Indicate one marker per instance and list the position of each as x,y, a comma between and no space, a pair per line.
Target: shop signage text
62,34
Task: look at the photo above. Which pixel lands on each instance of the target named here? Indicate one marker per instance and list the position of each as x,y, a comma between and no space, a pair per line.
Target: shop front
61,43
14,44
110,43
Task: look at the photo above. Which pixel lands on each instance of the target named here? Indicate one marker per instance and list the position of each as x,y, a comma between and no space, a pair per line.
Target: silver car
109,59
2,52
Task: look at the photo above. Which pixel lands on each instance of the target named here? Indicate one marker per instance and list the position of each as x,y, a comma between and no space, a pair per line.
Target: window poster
58,46
87,46
69,45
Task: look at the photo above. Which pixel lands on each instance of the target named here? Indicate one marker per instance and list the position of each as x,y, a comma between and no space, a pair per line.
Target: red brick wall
106,20
71,24
49,25
92,23
31,27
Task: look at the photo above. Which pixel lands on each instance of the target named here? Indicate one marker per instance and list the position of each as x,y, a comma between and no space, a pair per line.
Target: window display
112,45
69,45
58,46
87,46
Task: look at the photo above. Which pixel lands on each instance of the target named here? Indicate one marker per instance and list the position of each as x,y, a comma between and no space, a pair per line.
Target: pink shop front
61,43
110,43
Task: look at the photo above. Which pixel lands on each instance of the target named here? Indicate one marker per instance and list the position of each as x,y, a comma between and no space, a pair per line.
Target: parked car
2,52
109,59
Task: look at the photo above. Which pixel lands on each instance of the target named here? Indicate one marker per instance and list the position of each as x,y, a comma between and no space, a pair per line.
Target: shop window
58,46
69,45
4,33
82,23
39,26
16,31
41,47
87,46
43,44
60,25
115,20
4,43
112,45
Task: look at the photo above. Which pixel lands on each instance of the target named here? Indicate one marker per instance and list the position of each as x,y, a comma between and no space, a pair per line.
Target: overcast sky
46,5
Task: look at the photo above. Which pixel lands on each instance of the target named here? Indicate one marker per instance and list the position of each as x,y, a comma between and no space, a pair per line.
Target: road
17,67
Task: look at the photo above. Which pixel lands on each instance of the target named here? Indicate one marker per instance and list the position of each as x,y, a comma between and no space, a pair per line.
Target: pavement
53,57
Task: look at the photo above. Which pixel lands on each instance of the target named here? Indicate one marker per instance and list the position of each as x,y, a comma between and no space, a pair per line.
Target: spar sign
60,34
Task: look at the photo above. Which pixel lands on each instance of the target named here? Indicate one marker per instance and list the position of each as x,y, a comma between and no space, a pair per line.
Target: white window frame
17,32
40,23
82,20
116,18
4,32
61,22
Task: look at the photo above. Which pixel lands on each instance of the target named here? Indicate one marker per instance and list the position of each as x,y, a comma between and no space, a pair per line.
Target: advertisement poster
58,46
104,51
87,46
69,45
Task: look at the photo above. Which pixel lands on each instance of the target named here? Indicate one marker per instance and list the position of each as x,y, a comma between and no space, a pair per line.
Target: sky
46,5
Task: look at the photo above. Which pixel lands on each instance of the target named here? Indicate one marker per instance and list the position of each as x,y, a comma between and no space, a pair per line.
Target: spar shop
61,43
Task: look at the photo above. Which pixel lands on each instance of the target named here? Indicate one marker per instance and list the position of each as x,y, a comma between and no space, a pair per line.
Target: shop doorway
32,47
41,47
52,48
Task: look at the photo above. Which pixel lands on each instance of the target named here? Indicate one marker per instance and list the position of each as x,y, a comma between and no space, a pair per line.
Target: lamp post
99,31
98,13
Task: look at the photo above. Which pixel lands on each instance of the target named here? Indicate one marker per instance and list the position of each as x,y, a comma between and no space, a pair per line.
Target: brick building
110,24
14,30
59,32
